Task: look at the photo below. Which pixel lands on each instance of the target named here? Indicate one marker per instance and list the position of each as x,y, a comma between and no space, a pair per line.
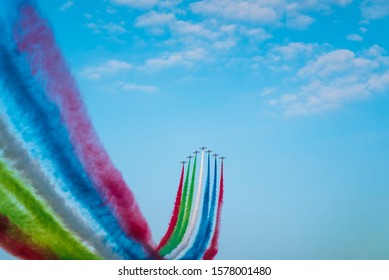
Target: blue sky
294,93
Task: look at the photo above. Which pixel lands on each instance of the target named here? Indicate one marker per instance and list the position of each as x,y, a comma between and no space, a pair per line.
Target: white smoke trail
193,217
29,169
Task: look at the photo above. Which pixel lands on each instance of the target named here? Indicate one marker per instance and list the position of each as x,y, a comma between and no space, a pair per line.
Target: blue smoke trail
211,217
38,122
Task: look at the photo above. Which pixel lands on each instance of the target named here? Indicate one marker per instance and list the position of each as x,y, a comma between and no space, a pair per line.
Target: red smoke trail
17,243
36,41
214,247
174,218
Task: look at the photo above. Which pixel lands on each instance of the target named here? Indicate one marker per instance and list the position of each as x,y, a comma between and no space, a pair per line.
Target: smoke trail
211,216
65,244
40,235
29,169
214,247
189,202
38,123
174,218
194,216
19,244
171,244
36,41
192,252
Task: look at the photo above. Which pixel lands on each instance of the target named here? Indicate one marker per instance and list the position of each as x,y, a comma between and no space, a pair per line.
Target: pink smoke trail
36,41
214,247
174,218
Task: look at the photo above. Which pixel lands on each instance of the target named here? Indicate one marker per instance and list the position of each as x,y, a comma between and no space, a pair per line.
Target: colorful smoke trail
61,197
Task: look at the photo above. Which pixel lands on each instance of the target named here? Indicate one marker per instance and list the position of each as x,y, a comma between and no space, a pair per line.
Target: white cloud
109,67
197,29
94,27
291,51
254,11
379,82
276,12
299,22
228,28
110,27
354,37
318,97
154,19
375,9
148,4
286,58
169,4
376,52
113,28
342,2
224,44
135,87
330,80
208,35
142,4
257,34
335,63
171,60
186,58
66,6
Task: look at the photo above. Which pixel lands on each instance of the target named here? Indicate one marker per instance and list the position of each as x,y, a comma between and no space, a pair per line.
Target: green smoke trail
172,243
36,219
189,203
19,244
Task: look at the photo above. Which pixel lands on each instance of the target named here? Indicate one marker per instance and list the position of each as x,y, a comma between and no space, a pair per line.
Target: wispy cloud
288,57
143,4
66,6
294,14
147,4
109,67
138,88
292,50
195,29
169,4
110,27
253,11
354,37
154,18
185,58
375,9
330,80
299,22
211,36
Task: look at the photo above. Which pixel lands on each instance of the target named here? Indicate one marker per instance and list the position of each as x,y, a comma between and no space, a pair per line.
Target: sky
294,93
